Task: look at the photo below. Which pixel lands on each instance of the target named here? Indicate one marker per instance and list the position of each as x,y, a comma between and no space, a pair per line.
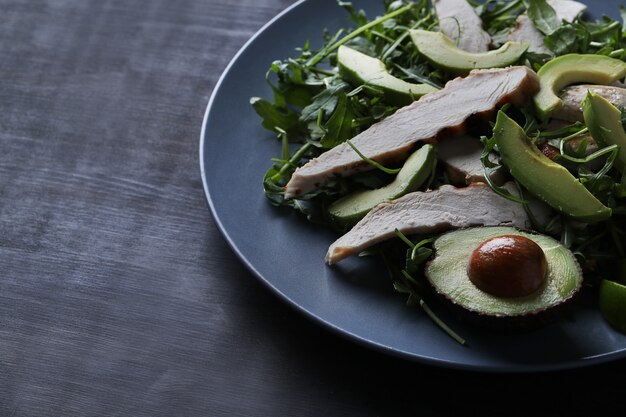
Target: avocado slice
543,177
443,53
348,210
448,274
604,121
571,69
612,301
358,68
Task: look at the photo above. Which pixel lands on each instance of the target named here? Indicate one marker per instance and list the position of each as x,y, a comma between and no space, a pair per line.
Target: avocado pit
508,266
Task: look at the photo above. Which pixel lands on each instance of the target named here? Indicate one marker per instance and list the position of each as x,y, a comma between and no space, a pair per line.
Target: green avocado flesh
572,69
604,121
418,167
358,68
543,177
613,304
447,273
442,52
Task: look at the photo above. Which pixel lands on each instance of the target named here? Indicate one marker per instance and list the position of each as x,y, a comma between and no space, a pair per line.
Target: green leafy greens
313,109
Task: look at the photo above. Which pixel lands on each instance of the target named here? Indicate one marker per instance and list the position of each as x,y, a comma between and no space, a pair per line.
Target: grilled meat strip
458,21
573,96
430,212
461,157
392,139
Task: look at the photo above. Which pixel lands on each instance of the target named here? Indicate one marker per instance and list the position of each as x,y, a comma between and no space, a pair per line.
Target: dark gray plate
354,299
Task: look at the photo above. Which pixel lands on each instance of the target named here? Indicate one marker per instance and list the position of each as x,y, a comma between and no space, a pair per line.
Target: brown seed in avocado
508,266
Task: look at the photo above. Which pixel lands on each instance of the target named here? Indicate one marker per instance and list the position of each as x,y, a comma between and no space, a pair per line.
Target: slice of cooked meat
422,121
461,157
574,95
567,10
458,21
525,30
430,212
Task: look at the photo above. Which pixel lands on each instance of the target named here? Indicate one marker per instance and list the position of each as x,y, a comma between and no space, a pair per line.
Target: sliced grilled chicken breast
567,10
525,31
461,157
392,139
458,20
574,95
430,212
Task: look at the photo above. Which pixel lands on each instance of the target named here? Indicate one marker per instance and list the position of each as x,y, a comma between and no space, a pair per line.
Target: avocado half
447,273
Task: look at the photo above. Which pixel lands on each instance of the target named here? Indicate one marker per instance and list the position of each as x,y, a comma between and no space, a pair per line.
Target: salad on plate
475,147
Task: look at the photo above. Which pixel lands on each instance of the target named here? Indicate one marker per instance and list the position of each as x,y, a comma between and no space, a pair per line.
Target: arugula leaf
295,86
605,31
325,101
275,118
357,16
563,40
543,16
339,126
498,17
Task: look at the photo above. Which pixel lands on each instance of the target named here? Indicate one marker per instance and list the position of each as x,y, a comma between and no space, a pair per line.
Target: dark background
118,295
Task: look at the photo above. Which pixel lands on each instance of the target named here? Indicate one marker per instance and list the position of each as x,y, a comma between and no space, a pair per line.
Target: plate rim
315,318
345,334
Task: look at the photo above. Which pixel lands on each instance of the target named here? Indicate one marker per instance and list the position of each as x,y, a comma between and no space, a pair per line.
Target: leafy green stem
606,29
326,51
441,324
589,158
511,6
292,162
431,314
404,238
402,37
372,162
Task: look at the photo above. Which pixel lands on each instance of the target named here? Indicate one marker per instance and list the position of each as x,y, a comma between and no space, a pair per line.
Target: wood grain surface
118,295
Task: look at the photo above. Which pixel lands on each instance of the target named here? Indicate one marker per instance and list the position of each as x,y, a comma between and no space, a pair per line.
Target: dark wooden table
118,295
